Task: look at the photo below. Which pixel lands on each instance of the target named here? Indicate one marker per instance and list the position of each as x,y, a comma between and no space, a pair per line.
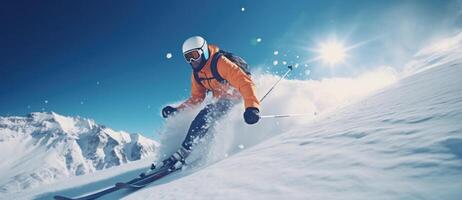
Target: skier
224,76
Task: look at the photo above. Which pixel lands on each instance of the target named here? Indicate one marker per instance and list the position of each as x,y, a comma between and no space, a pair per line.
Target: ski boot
175,161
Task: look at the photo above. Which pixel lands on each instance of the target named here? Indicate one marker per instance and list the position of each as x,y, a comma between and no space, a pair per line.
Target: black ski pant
205,119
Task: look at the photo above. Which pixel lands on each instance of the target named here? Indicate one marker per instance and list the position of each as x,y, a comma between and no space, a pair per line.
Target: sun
332,52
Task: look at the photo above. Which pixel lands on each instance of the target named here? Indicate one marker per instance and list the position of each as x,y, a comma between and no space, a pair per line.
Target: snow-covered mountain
43,147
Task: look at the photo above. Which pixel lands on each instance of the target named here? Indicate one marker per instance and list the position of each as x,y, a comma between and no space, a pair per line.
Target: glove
168,110
251,115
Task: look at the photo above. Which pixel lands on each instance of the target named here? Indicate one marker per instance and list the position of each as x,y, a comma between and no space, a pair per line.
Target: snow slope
43,147
396,136
403,142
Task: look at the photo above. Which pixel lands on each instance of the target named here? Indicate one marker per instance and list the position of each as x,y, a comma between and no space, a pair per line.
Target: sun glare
332,52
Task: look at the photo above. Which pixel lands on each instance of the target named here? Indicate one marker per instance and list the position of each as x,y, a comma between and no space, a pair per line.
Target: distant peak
41,115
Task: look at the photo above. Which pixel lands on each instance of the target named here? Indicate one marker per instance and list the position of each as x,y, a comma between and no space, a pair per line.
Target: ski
98,193
148,179
127,185
135,183
89,196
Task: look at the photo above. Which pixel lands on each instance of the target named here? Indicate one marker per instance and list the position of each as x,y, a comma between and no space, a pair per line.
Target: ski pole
290,69
287,115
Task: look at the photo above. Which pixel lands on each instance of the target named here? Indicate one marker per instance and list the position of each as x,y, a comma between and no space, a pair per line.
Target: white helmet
196,42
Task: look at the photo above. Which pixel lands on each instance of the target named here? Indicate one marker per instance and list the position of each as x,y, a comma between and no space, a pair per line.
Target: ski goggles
193,55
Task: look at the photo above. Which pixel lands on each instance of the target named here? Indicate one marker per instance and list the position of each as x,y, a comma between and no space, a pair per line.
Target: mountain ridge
48,146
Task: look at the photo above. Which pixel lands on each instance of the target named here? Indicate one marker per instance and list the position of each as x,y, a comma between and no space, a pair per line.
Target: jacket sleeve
239,80
198,93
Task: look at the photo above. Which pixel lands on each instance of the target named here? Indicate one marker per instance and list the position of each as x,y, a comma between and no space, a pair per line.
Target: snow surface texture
397,135
43,147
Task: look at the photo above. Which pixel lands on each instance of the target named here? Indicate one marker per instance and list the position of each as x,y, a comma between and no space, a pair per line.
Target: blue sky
106,60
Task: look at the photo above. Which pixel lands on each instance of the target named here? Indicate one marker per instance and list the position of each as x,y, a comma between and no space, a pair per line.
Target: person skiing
229,82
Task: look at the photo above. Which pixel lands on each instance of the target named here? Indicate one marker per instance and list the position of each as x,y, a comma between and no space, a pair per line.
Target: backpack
213,66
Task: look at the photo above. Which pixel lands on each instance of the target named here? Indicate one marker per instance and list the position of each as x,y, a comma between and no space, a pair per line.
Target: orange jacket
236,78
